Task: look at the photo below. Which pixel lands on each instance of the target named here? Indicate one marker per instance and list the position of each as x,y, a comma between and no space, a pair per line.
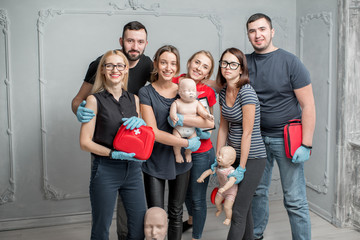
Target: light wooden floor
278,228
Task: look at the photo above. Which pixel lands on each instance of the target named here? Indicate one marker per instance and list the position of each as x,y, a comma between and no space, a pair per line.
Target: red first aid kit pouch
213,195
292,137
139,141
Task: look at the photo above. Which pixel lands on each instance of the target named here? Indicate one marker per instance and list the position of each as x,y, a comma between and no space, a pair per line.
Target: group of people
258,94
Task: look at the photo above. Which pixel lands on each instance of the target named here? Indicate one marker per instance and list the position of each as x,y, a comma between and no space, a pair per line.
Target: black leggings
242,221
155,194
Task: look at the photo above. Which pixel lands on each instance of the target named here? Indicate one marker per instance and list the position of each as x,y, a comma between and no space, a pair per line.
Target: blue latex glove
301,155
133,122
194,144
178,123
214,165
201,134
123,155
238,174
84,114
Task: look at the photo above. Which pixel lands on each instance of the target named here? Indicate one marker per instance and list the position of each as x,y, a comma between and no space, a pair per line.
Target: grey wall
45,49
317,48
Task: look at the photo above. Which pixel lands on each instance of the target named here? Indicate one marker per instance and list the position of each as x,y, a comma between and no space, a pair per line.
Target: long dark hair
244,76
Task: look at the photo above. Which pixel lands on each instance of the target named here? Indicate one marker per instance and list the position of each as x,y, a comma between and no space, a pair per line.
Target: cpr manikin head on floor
155,224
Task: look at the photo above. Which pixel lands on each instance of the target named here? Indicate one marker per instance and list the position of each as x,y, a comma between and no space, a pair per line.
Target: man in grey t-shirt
285,92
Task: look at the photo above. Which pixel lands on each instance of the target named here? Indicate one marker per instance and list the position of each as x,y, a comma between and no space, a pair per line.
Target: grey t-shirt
274,76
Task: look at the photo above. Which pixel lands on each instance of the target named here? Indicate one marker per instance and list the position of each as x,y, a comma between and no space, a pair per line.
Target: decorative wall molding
355,4
45,221
326,17
131,7
135,5
9,194
283,23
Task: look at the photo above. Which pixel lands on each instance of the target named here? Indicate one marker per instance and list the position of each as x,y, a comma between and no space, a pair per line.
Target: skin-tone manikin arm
173,111
305,97
203,113
197,121
83,93
161,136
231,181
204,175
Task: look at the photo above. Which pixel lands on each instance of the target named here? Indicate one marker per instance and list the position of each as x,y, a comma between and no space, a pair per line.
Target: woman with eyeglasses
240,129
113,172
155,101
200,67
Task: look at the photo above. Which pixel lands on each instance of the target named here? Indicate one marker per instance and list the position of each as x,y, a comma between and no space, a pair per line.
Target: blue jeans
294,190
108,178
196,194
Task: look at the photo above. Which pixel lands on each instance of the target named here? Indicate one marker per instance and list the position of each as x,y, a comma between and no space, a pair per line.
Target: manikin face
226,157
167,66
155,224
112,74
260,36
187,90
199,67
133,44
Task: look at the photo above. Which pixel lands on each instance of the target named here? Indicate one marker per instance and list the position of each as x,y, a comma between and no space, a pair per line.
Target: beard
133,55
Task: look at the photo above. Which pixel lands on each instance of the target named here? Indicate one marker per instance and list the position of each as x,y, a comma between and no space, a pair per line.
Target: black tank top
109,115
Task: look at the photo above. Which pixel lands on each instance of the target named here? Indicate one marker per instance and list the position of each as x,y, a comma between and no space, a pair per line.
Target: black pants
155,194
242,225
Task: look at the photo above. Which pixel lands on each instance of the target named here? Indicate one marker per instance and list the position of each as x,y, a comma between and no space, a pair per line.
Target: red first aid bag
292,137
213,195
139,141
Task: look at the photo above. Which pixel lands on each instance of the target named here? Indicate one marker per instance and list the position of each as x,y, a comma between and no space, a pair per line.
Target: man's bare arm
83,93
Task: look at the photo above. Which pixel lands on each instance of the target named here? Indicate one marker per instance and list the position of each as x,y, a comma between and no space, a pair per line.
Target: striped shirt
234,116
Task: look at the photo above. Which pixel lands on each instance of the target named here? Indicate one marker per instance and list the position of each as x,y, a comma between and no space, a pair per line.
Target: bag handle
295,121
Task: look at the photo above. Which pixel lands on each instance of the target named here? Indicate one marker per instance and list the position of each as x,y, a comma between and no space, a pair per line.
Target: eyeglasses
232,65
110,66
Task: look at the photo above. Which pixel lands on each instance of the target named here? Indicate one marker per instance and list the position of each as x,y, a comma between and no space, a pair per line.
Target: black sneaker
186,226
260,238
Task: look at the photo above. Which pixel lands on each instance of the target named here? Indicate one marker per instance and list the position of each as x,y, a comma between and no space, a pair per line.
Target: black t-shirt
138,75
109,115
